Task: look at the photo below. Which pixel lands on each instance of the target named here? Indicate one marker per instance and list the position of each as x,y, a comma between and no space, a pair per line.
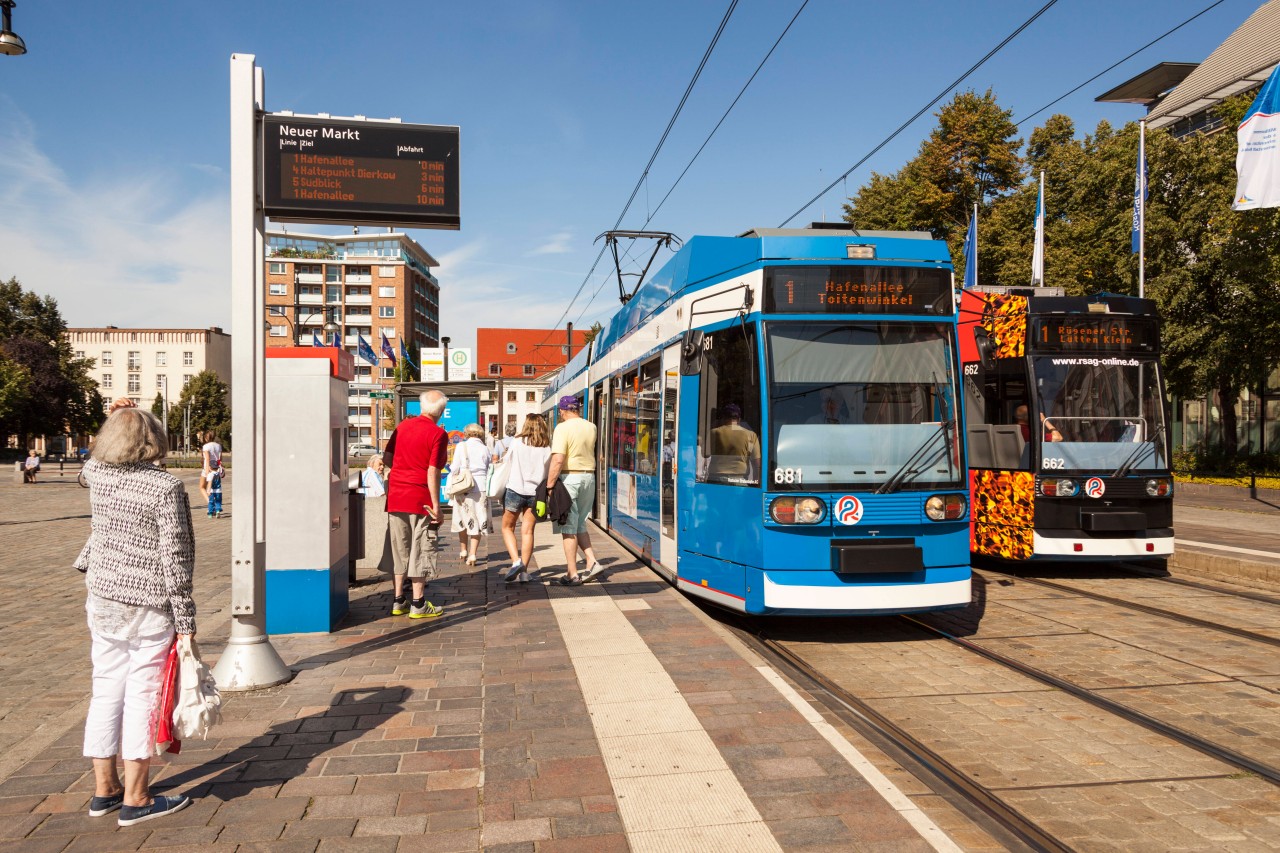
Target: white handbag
499,477
198,705
461,480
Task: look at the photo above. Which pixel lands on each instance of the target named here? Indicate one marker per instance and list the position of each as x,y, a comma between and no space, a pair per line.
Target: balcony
359,299
310,299
309,278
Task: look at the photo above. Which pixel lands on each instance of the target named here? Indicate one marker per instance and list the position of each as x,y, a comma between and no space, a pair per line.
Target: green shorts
582,488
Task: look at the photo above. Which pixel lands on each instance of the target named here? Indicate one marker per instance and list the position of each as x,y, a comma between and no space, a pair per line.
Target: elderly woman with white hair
138,564
471,508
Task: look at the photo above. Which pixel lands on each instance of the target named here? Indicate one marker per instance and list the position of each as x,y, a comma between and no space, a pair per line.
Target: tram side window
648,415
624,423
992,398
729,409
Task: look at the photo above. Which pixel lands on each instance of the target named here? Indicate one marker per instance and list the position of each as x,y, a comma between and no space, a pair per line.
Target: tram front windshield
1100,413
861,405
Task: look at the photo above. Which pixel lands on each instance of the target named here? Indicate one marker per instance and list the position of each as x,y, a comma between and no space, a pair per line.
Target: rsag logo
848,510
1094,487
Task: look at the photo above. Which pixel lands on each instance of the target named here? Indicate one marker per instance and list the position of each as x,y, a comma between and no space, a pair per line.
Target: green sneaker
400,606
425,610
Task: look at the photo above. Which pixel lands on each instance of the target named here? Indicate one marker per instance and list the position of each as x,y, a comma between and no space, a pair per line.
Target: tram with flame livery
778,423
1065,406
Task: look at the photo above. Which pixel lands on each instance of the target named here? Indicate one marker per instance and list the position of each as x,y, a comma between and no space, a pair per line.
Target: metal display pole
250,661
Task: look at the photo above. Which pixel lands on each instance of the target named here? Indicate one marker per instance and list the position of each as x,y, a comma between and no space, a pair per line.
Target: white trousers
126,683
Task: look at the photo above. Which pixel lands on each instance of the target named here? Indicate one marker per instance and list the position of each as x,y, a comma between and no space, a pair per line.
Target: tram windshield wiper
1140,453
899,477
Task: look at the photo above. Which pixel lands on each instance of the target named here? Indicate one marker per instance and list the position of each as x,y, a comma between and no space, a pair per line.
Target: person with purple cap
573,461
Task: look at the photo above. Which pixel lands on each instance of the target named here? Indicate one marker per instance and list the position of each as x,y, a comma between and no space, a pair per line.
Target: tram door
667,484
600,417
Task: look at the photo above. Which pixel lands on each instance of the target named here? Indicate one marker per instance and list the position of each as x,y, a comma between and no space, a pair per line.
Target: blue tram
778,424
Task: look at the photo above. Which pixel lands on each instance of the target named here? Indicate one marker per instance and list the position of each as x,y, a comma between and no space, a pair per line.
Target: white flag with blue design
1258,150
1139,202
971,252
1037,257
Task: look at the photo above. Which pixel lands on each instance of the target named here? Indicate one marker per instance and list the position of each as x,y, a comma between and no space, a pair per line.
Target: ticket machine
306,488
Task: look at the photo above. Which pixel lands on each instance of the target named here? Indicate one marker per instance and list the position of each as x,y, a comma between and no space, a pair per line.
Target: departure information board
355,171
857,290
1075,333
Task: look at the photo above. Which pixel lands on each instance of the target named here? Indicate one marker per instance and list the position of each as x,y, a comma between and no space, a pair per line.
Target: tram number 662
1053,462
789,476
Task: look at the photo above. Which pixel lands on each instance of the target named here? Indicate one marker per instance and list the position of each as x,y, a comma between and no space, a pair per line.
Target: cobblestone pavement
472,731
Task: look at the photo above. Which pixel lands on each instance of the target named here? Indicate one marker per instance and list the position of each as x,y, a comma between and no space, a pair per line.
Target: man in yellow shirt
573,460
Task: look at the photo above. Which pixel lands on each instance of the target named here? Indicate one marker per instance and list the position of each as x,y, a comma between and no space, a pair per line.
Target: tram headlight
792,510
945,507
1158,488
1059,488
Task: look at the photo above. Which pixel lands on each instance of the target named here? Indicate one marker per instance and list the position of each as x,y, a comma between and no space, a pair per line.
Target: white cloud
129,249
558,244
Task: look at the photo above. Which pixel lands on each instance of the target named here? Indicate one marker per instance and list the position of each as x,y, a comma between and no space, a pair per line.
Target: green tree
15,384
590,334
210,409
970,157
1215,272
58,394
157,406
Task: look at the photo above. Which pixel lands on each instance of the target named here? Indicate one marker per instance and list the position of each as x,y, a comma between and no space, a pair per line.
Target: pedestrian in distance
138,564
529,458
371,484
573,461
471,508
213,492
211,460
31,467
416,454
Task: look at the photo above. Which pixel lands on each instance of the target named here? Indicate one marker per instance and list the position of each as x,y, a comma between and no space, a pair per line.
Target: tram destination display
857,290
1096,334
357,171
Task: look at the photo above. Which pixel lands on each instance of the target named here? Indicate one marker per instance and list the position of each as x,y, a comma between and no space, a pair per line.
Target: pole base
250,663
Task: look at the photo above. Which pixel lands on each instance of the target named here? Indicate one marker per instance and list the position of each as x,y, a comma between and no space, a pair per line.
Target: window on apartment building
79,353
564,350
278,310
511,419
388,373
332,273
528,370
135,383
511,349
188,358
358,273
279,331
135,359
186,380
277,290
511,396
277,268
389,331
495,369
359,310
160,383
386,310
106,358
106,380
531,396
162,359
387,292
307,269
386,272
359,290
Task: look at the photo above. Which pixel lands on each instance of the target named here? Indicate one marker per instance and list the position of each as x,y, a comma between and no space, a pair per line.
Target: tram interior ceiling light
11,44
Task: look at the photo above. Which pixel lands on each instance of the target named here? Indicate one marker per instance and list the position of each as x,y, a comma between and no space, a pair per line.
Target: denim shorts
516,502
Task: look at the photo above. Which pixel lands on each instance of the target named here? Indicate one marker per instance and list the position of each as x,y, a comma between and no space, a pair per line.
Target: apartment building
139,363
520,359
369,286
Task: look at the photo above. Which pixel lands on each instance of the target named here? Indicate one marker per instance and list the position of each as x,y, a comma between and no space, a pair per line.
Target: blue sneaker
160,806
98,806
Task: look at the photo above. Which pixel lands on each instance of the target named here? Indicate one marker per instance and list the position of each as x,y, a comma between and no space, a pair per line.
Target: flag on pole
388,350
1139,198
315,339
971,252
404,353
365,351
1258,150
1037,257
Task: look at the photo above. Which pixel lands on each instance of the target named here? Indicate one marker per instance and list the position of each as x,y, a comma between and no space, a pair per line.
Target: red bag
162,713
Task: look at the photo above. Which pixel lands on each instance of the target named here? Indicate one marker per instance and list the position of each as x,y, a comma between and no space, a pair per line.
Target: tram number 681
790,476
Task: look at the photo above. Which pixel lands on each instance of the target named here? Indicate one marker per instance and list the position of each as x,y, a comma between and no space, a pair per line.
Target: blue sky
114,140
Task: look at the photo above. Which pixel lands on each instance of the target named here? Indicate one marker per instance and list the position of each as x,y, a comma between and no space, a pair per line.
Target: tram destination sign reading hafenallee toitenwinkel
360,171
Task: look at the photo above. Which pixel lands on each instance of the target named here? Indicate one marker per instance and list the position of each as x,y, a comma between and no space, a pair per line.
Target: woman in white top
529,454
211,455
471,509
371,485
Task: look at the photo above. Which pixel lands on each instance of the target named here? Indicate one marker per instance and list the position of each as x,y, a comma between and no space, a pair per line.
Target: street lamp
11,44
330,328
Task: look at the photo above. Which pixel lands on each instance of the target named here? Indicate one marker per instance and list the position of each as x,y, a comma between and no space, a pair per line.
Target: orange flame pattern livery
1004,500
1005,319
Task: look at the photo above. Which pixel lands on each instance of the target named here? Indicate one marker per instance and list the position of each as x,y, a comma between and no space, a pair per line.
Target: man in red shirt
418,449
